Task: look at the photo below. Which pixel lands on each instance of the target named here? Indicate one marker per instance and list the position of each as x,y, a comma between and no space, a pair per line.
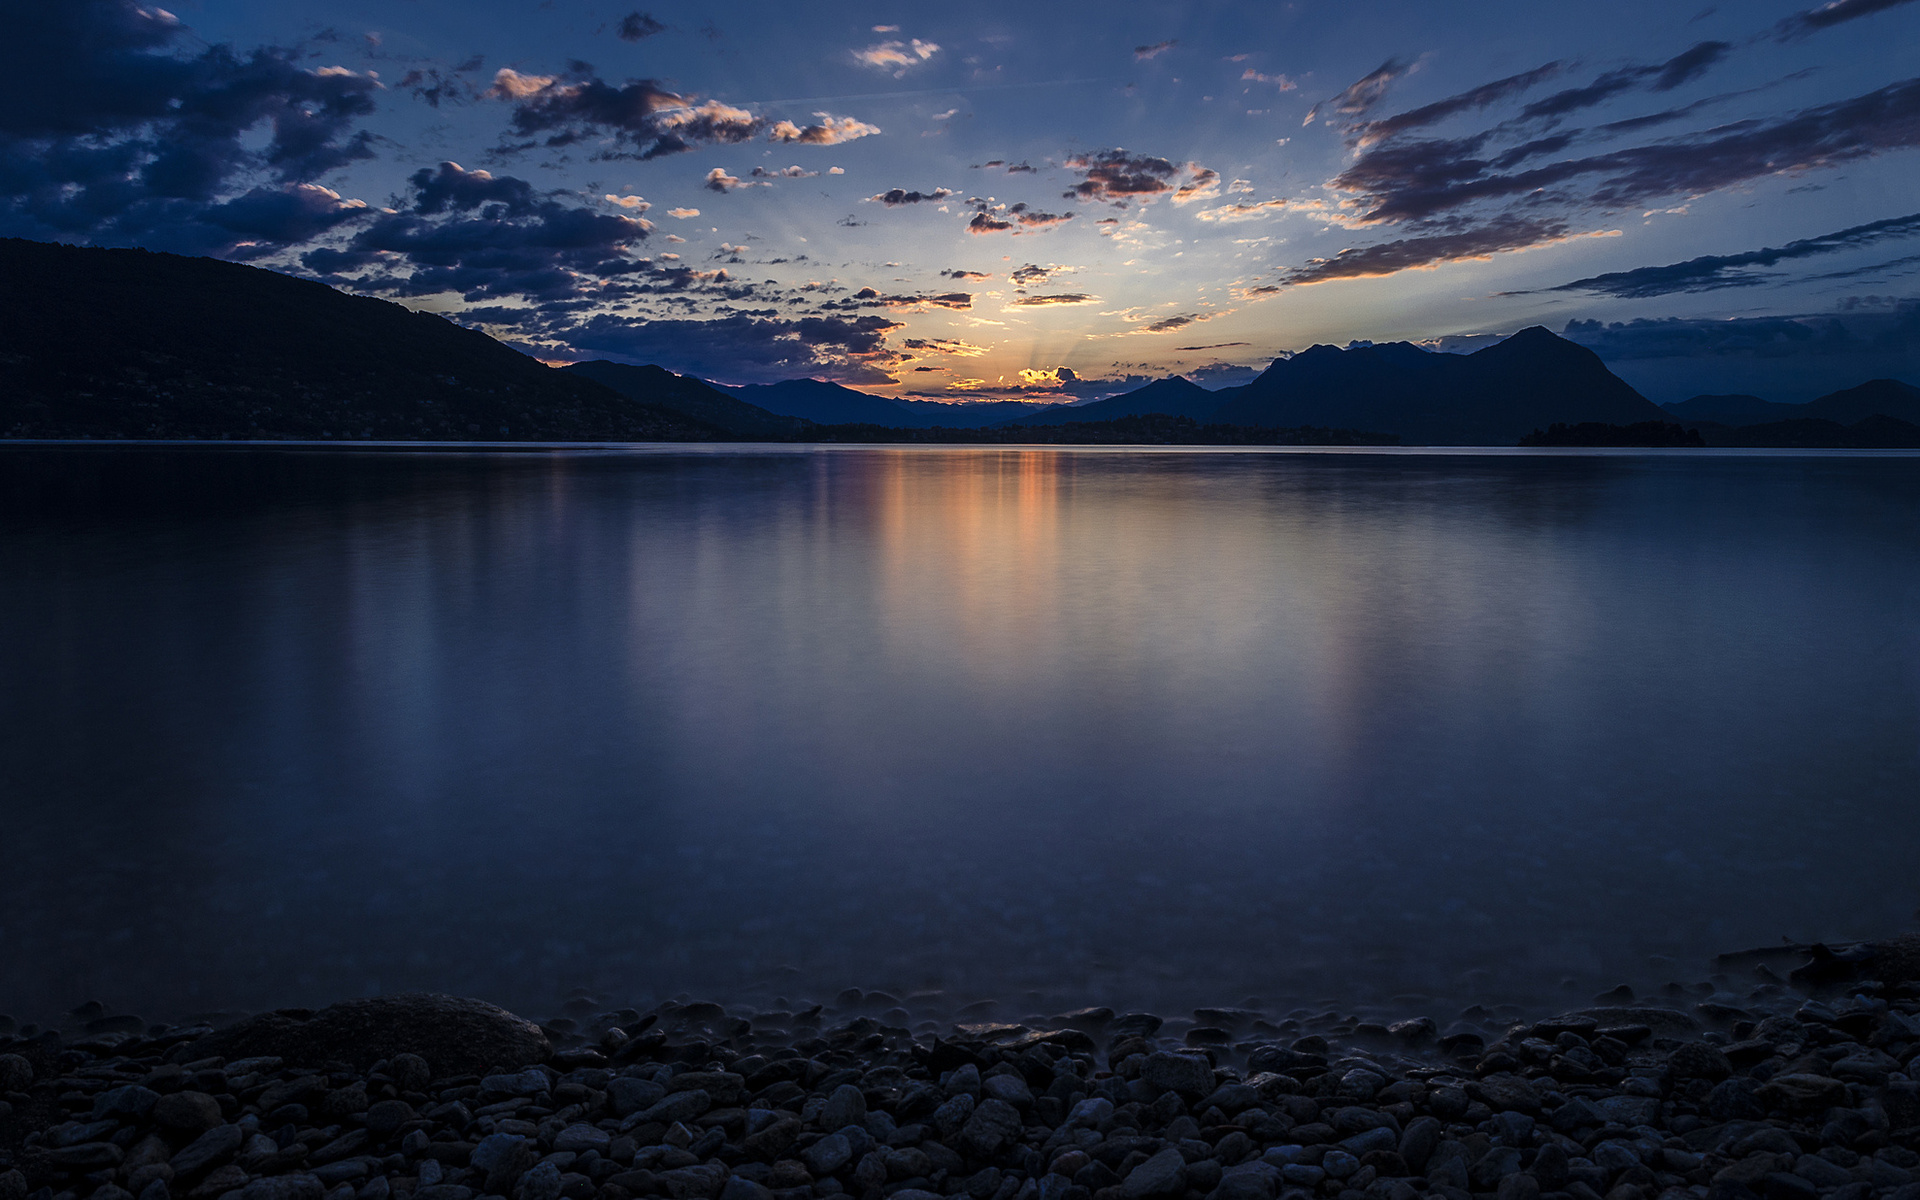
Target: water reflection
1127,727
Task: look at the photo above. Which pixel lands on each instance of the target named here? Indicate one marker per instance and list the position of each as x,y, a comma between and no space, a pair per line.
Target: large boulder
456,1036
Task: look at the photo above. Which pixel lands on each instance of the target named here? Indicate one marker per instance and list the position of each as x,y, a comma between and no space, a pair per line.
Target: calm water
1133,727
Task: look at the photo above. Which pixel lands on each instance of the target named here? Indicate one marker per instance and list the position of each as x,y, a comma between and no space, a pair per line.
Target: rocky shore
1768,1089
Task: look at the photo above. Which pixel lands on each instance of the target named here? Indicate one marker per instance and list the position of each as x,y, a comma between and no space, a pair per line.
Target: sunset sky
1051,201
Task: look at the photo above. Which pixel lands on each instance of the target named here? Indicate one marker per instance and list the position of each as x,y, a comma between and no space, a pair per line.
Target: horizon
954,208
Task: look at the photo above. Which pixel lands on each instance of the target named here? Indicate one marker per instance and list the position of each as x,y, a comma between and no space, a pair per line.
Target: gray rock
1550,1167
1163,1175
529,1082
504,1158
737,1188
679,1106
580,1138
1361,1084
13,1185
131,1100
540,1183
1495,1165
351,1170
410,1072
1187,1074
1417,1143
628,1095
1338,1164
87,1156
1010,1089
953,1114
442,1191
827,1155
964,1080
16,1074
452,1035
1630,1110
1379,1138
847,1105
1821,1173
284,1187
385,1118
156,1190
992,1125
187,1112
1519,1187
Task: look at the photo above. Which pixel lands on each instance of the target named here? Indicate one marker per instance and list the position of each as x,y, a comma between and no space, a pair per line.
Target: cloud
1366,92
484,237
1895,329
1033,274
1828,15
949,346
719,181
739,348
119,127
1663,77
1246,211
683,213
1171,324
794,172
869,297
1432,114
1418,181
638,26
894,197
1119,176
1060,298
642,117
1281,81
969,275
1017,218
1713,272
1428,251
831,131
898,57
1143,53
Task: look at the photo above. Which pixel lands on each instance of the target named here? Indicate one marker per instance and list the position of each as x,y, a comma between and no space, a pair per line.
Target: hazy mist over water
1127,727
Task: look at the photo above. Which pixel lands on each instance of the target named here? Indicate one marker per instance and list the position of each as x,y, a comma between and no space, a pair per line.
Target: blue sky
1045,201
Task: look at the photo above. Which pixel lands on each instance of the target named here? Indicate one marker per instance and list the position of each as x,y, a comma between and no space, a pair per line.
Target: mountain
969,414
1173,396
1492,397
819,401
1732,410
1877,432
131,344
1878,397
689,397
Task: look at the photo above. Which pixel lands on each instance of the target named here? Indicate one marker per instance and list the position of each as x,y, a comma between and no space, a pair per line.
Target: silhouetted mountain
132,344
970,414
1173,396
690,397
1149,429
1877,397
1877,432
819,401
1491,397
1732,410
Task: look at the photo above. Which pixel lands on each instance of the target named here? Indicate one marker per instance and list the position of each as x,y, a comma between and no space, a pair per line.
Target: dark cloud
1430,250
1368,91
434,87
967,274
828,131
1662,77
1120,176
1836,12
1143,53
641,117
1171,324
1060,298
1032,273
1712,272
1432,114
1016,219
638,26
484,237
868,297
738,348
894,197
1418,181
118,127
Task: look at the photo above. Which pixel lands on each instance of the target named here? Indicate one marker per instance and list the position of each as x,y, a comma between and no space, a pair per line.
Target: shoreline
1802,1089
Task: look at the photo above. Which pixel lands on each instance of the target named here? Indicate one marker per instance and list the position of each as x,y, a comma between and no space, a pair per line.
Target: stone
504,1158
132,1100
209,1150
737,1188
1494,1166
187,1112
628,1095
285,1187
16,1073
1379,1138
1163,1175
993,1124
1187,1074
580,1138
1009,1089
1698,1060
451,1035
1520,1186
827,1155
1630,1110
1802,1092
847,1105
86,1156
540,1183
1502,1092
385,1118
528,1083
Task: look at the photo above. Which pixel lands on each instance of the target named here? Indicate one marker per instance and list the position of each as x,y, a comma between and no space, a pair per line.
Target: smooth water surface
1136,727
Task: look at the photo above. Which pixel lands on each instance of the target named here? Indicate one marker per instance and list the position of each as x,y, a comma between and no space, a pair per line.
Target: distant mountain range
132,344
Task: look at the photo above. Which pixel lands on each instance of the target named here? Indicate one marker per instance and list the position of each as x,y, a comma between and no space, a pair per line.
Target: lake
1400,731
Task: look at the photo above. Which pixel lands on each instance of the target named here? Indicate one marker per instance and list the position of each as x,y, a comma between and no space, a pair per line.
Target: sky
1046,202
